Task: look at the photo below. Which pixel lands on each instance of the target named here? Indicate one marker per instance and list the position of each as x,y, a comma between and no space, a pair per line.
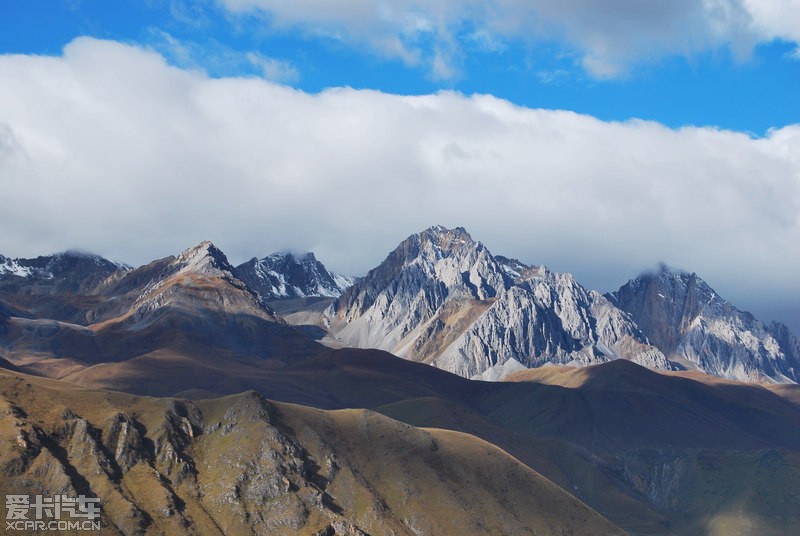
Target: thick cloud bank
110,149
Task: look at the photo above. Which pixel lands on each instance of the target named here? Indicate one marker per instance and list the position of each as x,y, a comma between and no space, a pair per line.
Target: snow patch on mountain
58,265
14,267
286,275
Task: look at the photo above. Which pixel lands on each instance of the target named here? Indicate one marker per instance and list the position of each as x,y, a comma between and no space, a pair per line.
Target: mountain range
442,298
603,448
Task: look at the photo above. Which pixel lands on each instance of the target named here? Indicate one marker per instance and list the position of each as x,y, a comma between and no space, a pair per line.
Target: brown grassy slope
623,400
630,442
634,444
789,392
241,464
657,454
571,466
733,468
615,405
329,379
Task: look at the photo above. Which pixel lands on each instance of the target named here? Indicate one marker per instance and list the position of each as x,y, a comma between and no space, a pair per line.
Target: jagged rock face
665,304
548,318
205,258
788,342
685,318
443,298
423,273
284,275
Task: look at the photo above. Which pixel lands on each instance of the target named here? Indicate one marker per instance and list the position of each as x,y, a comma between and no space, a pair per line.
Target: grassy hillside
243,465
654,453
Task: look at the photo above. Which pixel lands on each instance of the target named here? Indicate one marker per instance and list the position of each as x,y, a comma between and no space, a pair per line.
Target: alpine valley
277,397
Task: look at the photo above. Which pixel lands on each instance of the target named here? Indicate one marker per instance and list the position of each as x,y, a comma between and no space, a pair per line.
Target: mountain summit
67,271
442,298
146,317
204,258
285,275
698,329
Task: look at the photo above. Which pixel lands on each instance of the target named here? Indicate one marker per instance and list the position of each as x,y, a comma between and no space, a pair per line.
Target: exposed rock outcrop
443,298
698,329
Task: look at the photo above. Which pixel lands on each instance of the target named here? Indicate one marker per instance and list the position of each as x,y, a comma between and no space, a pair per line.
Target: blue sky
708,86
598,138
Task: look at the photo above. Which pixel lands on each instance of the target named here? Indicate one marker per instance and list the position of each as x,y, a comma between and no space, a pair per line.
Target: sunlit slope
242,464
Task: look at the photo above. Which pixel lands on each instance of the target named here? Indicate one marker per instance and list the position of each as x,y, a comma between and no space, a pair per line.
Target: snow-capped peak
71,264
290,275
13,267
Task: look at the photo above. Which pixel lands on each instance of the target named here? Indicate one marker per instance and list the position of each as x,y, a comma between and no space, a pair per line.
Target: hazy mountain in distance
698,329
286,275
59,268
170,306
71,281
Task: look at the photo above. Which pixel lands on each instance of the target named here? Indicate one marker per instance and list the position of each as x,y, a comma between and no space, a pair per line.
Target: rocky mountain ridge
694,326
286,275
178,303
442,298
657,453
56,265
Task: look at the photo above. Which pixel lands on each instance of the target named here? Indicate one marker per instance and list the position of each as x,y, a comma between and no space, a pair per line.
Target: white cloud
776,18
218,59
191,12
610,36
110,149
274,70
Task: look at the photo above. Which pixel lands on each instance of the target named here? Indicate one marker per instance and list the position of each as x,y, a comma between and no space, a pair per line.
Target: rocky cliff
442,298
698,329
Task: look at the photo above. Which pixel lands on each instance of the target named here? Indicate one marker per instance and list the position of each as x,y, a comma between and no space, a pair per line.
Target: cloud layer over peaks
607,37
110,149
